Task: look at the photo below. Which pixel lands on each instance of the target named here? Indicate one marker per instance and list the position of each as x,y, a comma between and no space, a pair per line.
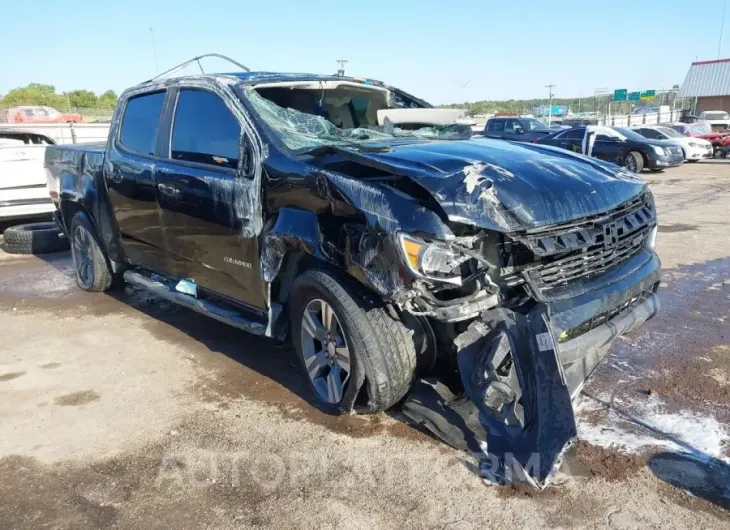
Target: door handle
167,190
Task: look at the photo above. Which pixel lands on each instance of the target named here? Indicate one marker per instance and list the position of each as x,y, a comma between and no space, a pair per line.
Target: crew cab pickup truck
289,206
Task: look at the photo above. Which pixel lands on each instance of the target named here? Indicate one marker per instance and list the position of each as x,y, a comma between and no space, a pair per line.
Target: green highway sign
634,96
648,95
619,94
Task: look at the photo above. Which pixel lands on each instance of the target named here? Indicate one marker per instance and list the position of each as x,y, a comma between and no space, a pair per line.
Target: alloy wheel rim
325,351
83,257
630,163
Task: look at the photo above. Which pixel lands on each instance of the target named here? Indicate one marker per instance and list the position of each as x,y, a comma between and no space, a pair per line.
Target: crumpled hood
507,186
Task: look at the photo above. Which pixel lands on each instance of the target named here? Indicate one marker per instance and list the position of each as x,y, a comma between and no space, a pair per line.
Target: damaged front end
516,267
553,299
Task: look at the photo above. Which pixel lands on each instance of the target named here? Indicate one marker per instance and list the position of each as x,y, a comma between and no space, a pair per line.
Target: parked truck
290,206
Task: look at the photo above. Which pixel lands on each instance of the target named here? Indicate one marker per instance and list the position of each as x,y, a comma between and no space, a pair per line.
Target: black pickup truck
290,206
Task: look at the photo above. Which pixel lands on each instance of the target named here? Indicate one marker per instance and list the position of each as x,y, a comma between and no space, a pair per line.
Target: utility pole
722,26
341,69
550,104
154,50
580,92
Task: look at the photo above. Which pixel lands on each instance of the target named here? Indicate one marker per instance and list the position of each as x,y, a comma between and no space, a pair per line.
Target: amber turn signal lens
413,251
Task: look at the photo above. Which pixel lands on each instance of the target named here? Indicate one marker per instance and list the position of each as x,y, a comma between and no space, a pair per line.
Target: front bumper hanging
521,370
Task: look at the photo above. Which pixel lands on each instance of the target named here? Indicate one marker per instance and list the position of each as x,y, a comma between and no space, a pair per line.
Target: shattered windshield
302,131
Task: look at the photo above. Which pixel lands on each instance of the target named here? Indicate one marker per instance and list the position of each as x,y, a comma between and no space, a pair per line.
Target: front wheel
634,162
91,267
345,339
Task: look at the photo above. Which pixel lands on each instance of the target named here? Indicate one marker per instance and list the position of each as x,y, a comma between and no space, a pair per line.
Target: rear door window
139,124
495,125
575,134
205,131
512,126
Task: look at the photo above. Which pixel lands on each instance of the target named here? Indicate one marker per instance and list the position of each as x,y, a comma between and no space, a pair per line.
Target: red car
27,114
703,129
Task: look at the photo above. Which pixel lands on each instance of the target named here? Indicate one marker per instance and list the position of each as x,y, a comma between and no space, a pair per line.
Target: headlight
695,145
433,260
658,150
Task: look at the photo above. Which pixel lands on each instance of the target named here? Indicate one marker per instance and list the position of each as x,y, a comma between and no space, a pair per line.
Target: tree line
45,95
584,104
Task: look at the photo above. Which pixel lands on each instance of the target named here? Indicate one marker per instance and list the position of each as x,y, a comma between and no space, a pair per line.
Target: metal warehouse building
709,82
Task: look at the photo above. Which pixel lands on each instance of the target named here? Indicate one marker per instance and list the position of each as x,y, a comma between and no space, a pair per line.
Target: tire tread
382,344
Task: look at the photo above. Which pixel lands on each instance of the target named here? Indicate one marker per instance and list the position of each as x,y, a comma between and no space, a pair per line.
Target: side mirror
519,131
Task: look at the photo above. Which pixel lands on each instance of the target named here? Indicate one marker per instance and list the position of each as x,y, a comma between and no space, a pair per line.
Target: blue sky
499,50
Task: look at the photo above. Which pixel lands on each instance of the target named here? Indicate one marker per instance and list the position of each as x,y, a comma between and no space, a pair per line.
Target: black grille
589,247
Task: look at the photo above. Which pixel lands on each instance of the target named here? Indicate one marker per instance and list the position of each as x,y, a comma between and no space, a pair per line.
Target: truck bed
71,167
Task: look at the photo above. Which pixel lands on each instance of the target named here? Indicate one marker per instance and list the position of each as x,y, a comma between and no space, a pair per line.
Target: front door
200,190
129,175
609,148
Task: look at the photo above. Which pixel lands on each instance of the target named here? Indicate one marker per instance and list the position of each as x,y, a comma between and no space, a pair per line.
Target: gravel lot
125,411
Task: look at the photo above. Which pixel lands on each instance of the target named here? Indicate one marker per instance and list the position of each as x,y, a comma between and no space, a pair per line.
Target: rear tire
93,273
35,238
380,348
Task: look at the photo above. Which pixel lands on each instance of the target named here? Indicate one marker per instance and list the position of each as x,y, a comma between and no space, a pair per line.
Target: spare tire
34,238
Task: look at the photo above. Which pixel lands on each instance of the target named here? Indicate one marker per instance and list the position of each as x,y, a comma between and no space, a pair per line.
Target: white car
719,119
694,149
23,190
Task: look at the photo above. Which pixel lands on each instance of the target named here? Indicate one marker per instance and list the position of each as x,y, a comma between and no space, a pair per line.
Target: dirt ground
125,411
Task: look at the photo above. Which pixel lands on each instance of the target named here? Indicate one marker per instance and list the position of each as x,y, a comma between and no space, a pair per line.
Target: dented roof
707,78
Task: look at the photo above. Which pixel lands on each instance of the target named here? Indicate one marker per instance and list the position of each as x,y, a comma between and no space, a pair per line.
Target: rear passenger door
199,188
494,129
513,130
572,140
131,162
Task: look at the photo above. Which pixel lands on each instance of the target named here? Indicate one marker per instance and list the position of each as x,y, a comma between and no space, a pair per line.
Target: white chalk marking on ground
683,431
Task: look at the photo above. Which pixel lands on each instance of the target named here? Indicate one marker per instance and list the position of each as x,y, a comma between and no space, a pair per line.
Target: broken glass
301,131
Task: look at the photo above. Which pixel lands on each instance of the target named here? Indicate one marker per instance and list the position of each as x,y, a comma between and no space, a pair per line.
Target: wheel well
295,263
69,209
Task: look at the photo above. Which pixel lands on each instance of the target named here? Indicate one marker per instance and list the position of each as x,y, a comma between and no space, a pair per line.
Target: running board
204,307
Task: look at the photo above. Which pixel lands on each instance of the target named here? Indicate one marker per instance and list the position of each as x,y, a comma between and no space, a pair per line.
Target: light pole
550,103
722,26
154,50
598,92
